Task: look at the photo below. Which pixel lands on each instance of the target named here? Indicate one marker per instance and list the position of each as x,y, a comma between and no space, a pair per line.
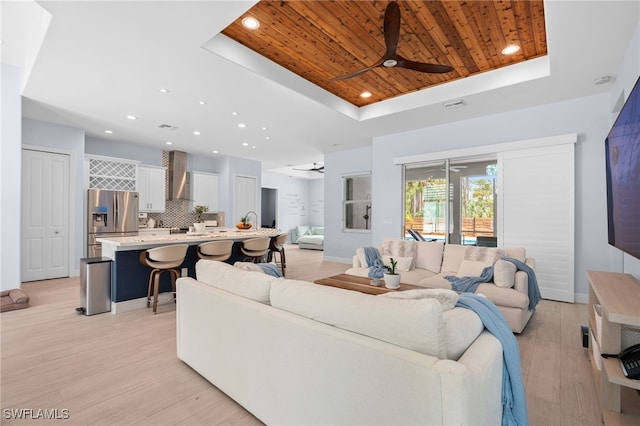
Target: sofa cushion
461,328
404,263
414,324
397,247
516,253
302,230
452,258
436,281
471,268
446,298
504,274
429,255
317,230
234,280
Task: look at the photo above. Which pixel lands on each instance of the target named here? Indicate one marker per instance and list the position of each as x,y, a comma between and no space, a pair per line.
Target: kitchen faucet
247,218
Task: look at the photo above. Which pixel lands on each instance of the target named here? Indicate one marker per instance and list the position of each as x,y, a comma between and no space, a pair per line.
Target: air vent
167,126
454,104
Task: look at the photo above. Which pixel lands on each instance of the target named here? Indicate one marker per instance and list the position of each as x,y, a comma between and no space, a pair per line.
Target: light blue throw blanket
514,403
270,269
374,261
470,284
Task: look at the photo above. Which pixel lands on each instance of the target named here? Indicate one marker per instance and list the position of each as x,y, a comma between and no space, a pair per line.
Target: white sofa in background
296,353
308,237
427,263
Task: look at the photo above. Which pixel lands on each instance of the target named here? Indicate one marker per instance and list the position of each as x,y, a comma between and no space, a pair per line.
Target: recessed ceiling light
264,127
108,131
365,94
602,80
250,23
234,113
215,151
254,147
132,117
163,90
268,137
242,125
202,103
169,143
195,132
245,144
511,49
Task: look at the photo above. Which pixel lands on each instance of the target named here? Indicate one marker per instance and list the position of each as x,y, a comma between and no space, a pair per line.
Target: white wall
341,245
10,174
300,201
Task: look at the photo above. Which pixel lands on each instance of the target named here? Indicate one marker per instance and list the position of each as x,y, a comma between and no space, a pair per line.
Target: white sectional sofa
297,353
428,263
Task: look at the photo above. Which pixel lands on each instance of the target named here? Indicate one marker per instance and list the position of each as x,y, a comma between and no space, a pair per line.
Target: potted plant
391,277
199,211
244,224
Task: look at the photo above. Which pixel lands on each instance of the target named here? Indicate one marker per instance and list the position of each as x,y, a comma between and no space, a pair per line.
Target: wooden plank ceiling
321,40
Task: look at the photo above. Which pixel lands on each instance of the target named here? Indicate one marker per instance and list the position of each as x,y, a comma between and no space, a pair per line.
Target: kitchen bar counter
111,245
130,279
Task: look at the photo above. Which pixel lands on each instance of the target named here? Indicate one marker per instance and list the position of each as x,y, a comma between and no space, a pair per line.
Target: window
451,201
357,202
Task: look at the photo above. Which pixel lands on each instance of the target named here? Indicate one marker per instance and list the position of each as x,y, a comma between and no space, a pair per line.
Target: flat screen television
623,176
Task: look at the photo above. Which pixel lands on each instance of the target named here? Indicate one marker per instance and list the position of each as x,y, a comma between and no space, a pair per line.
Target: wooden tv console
619,297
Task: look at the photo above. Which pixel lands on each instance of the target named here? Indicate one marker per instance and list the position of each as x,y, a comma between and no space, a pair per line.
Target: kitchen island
130,279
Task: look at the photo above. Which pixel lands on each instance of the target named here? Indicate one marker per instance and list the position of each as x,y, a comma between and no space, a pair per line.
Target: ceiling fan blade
362,71
422,67
391,29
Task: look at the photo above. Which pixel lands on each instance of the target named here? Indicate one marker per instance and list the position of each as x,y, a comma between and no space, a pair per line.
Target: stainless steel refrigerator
110,214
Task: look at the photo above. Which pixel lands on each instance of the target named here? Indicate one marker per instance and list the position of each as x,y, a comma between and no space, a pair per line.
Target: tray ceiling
321,40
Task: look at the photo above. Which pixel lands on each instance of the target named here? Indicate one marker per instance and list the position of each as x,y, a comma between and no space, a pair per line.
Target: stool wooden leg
151,279
156,288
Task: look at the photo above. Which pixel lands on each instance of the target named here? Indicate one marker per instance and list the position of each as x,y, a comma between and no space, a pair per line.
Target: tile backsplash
177,213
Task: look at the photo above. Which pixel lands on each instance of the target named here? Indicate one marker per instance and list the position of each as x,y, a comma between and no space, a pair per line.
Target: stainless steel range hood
177,176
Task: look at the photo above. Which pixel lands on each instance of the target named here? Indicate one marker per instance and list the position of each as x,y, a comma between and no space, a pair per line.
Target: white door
45,215
245,196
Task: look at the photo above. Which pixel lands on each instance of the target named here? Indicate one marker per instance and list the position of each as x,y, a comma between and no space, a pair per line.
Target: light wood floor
123,370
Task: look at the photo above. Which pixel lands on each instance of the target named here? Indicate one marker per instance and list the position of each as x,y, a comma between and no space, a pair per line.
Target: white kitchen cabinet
150,185
205,190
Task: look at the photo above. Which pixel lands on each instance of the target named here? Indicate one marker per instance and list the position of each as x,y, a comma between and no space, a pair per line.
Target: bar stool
276,246
255,249
161,259
215,250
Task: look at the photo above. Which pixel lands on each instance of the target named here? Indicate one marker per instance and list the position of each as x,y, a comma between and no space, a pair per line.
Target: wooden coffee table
361,284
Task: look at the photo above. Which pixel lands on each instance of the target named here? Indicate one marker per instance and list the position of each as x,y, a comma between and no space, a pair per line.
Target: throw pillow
361,257
397,247
488,255
404,263
447,298
504,274
248,266
471,268
302,230
429,255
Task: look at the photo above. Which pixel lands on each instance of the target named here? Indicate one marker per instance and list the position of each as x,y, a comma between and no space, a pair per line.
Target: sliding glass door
452,201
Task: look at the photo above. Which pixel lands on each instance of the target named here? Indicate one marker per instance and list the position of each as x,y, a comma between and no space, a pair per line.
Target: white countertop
113,244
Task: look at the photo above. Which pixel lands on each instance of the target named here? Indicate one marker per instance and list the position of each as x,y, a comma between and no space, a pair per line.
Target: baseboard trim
581,298
140,303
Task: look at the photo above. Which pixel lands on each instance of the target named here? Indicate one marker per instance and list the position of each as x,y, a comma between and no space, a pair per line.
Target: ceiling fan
391,59
315,168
